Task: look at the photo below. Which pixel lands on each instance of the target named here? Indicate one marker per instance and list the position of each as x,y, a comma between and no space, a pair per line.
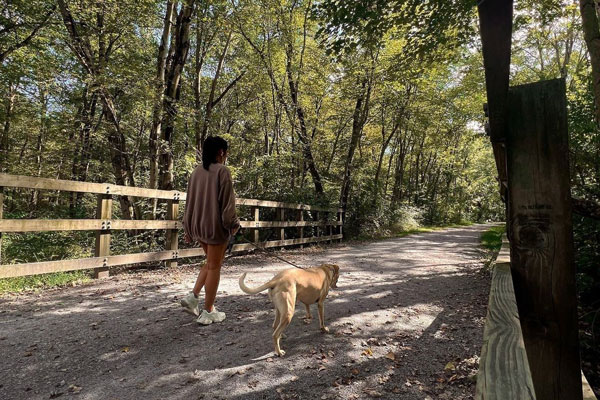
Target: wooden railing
327,228
504,371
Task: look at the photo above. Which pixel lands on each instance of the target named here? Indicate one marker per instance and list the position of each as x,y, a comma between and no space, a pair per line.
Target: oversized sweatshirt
210,205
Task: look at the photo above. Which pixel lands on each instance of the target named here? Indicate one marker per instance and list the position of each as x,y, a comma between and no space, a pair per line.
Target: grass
400,234
45,281
492,238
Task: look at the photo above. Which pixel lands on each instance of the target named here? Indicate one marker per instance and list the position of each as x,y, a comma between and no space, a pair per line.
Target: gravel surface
406,323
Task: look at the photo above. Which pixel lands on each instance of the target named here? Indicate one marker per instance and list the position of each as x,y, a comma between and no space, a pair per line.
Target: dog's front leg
322,317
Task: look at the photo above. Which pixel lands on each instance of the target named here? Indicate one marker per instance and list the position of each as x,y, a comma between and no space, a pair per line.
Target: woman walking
210,218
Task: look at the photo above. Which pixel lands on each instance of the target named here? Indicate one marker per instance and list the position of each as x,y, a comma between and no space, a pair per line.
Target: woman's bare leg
201,280
214,260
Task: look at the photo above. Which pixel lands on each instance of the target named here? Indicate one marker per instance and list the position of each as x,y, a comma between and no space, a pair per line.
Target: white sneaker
190,304
208,318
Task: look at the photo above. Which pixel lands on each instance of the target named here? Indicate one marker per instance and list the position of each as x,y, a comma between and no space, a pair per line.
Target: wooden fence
326,222
504,371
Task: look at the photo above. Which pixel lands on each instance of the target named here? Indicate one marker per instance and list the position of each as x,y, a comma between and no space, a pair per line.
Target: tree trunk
94,65
159,88
211,97
5,141
202,46
81,158
40,140
180,48
591,31
302,132
358,122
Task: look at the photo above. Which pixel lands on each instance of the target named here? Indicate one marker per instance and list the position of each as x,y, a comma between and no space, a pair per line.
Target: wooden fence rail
327,227
504,371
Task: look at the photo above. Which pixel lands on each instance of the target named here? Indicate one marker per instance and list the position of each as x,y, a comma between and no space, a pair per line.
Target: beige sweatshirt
210,205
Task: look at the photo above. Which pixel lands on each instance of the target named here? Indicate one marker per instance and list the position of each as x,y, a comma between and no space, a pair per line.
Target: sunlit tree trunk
591,31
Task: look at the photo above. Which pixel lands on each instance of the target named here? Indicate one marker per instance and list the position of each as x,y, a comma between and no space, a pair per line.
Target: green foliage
492,238
37,282
426,26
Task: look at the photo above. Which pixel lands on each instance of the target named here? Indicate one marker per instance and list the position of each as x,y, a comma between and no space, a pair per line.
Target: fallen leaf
125,349
367,352
372,392
391,355
74,388
450,366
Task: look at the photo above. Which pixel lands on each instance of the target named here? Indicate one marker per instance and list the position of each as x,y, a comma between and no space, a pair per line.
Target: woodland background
377,108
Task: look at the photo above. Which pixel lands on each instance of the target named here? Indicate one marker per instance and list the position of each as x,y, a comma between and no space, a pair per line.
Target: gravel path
406,322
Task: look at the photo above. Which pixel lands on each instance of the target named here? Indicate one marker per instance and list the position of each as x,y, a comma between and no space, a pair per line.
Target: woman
210,219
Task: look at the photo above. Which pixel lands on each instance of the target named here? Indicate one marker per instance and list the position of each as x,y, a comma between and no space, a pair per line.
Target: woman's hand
187,238
234,230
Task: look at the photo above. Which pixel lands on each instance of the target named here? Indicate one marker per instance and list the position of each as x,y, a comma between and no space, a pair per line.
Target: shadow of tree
422,298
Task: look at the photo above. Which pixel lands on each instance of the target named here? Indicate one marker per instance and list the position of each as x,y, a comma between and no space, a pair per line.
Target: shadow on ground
406,322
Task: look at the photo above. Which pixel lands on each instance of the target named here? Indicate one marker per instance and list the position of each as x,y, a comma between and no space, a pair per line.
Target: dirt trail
406,322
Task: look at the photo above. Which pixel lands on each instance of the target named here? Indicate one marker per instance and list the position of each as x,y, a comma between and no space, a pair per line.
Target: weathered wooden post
541,235
256,212
330,226
301,228
281,217
318,218
341,219
172,242
1,216
102,248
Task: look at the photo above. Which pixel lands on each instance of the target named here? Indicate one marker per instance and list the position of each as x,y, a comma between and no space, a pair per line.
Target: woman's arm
187,215
231,222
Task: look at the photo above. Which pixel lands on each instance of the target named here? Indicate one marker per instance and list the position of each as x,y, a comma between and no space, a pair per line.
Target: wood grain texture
541,234
14,270
588,393
503,367
102,245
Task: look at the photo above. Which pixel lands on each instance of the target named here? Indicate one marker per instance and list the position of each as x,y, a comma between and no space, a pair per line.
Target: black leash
232,241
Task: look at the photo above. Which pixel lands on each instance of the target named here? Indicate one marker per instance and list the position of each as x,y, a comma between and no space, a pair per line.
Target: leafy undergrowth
45,281
388,234
492,238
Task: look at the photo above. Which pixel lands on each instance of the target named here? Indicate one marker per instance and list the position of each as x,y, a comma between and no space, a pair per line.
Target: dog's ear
335,274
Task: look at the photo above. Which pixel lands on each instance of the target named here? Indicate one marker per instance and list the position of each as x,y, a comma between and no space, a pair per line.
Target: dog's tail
249,290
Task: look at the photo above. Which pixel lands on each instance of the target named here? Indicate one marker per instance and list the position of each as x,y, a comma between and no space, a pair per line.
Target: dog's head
333,273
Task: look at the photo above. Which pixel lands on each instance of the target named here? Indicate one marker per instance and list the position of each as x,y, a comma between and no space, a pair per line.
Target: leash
232,241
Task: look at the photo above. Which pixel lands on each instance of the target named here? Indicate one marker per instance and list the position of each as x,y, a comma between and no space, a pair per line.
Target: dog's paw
325,329
307,321
281,353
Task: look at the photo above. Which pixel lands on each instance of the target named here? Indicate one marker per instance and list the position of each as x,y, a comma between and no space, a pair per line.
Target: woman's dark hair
210,150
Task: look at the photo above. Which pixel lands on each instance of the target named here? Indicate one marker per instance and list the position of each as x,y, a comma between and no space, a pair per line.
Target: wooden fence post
541,236
301,229
102,248
330,226
1,216
256,212
281,217
318,218
172,241
341,219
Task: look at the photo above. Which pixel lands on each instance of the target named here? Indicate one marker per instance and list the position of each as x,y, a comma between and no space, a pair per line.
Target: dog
309,285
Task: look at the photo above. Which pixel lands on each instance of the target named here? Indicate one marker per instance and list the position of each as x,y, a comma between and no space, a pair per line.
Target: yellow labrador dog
309,285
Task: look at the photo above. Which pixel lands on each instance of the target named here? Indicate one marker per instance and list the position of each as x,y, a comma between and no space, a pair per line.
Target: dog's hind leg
285,317
277,318
322,317
308,317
